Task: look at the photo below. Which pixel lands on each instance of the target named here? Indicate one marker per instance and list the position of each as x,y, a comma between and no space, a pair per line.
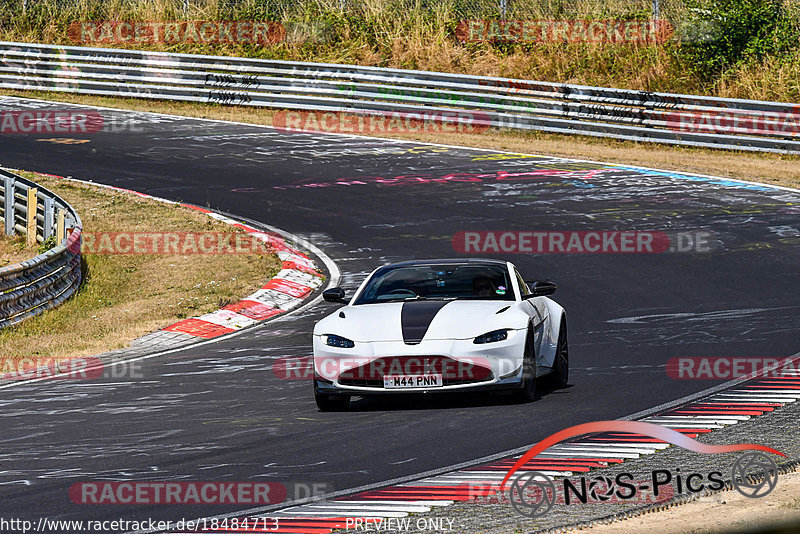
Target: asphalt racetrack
218,412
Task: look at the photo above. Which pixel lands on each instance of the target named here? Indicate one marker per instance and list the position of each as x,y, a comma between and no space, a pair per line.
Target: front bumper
464,365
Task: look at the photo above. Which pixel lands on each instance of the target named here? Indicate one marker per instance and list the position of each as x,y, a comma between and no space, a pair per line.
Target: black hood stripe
416,317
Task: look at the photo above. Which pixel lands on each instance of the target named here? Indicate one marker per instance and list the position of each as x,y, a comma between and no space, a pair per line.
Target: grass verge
125,296
13,249
777,169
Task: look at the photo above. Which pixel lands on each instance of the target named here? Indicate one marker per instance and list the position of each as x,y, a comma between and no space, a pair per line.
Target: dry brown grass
767,168
126,296
13,249
380,33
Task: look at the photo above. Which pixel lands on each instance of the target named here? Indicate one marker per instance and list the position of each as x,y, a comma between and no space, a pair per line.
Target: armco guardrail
505,103
47,280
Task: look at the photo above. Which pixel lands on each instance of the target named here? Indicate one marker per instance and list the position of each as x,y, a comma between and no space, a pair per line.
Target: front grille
453,371
465,380
362,382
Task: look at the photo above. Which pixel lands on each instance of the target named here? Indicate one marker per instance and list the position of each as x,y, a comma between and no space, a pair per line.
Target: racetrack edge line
471,463
330,265
409,141
643,413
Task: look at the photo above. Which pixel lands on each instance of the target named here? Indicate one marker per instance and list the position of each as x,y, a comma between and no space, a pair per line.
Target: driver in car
482,287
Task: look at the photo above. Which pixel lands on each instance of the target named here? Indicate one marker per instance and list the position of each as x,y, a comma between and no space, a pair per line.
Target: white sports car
437,326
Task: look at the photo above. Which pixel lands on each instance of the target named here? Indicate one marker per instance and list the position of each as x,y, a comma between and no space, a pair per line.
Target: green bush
48,243
723,33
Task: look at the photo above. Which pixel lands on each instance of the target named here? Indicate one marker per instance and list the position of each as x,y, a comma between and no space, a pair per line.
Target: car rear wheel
527,392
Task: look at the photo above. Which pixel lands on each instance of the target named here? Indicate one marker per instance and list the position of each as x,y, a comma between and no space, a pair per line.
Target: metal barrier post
30,228
60,228
69,225
49,209
10,184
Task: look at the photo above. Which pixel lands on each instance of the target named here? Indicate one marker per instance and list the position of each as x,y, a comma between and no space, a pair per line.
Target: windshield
446,281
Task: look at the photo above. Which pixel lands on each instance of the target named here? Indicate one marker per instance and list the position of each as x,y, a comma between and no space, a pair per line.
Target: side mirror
334,294
541,288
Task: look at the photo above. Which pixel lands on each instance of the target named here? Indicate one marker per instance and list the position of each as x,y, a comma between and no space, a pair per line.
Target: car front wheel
561,363
331,403
527,391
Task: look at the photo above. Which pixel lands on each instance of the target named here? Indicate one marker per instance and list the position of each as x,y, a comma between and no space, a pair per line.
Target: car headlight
338,341
492,337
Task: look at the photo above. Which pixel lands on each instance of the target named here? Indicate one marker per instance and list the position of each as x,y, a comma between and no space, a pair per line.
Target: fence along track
505,103
47,280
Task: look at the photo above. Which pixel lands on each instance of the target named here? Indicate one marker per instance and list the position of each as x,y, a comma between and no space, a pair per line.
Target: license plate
412,381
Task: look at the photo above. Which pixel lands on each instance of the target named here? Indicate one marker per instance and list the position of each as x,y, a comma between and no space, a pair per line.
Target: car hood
414,320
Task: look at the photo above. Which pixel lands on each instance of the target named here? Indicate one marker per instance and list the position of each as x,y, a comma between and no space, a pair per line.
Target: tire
527,391
560,372
331,403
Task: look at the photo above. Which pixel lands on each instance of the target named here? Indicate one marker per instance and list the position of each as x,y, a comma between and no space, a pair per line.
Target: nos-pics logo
533,494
